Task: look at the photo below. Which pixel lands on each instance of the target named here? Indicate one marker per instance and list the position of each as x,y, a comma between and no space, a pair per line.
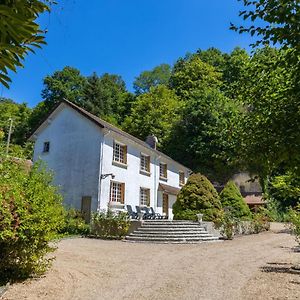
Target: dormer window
46,147
120,153
163,170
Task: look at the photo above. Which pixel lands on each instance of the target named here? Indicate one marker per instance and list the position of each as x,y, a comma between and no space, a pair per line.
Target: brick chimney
152,141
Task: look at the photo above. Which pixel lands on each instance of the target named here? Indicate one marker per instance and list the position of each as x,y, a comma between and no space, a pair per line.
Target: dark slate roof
168,189
103,124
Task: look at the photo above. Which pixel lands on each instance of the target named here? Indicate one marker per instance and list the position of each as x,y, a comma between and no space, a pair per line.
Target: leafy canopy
19,33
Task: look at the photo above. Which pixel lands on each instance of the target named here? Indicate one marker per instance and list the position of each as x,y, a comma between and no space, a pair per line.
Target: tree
204,138
20,114
147,79
197,196
154,113
231,197
191,74
269,136
19,33
278,22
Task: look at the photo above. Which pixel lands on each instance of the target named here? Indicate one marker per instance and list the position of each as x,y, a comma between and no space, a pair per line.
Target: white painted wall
74,155
80,151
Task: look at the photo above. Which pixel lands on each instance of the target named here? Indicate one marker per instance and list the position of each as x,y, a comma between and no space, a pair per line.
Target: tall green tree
147,79
204,138
191,74
19,113
107,97
19,33
155,113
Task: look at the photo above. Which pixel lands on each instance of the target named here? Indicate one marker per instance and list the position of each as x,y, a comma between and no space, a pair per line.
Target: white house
96,164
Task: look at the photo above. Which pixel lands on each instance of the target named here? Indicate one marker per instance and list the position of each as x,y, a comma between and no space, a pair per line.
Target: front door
166,204
86,202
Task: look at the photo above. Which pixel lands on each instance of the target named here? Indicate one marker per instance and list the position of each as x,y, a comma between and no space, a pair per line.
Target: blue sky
124,37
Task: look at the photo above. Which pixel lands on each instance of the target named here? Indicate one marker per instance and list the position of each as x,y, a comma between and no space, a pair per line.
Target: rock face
163,231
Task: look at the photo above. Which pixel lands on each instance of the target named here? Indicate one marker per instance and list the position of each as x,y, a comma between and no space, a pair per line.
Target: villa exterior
97,165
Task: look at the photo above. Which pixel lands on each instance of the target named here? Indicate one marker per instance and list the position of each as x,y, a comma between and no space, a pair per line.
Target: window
181,178
117,190
46,147
163,170
144,197
145,163
120,153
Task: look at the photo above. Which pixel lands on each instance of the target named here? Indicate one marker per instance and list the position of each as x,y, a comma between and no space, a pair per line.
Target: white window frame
144,196
117,192
183,174
145,163
165,174
119,153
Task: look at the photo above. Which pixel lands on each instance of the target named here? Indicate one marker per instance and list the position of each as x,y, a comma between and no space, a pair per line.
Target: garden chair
140,211
157,215
132,214
149,213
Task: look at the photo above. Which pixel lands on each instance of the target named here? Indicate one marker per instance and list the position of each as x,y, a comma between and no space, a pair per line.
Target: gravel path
96,269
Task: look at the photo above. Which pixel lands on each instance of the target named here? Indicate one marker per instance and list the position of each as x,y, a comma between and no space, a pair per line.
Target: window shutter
110,191
125,154
122,193
148,163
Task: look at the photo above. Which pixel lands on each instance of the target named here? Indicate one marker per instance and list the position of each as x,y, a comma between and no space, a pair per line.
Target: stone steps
164,231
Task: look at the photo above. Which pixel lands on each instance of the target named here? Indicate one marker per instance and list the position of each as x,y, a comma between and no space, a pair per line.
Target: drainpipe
100,170
155,182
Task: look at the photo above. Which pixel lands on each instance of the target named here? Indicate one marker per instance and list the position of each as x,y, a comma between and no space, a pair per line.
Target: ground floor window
117,191
144,197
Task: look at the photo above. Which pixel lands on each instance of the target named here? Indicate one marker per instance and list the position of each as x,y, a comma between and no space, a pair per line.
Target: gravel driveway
96,269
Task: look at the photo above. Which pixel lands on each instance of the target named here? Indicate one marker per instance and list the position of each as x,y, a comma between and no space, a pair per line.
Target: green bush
197,196
74,223
231,197
110,225
261,221
31,213
294,215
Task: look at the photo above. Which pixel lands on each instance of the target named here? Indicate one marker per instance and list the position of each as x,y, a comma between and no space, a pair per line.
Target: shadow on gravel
281,268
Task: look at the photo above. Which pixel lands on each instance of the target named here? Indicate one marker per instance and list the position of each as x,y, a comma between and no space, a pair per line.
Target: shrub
31,213
74,223
295,222
227,224
110,225
231,197
197,196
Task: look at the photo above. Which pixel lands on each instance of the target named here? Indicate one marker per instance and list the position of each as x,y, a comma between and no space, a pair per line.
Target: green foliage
19,33
74,223
20,114
227,224
191,74
155,113
231,197
285,189
147,79
204,137
282,15
197,196
110,225
31,213
294,216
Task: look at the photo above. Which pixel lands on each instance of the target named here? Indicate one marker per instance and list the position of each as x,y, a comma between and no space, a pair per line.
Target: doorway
165,205
86,202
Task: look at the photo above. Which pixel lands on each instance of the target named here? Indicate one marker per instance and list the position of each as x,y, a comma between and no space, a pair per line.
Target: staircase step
169,231
171,239
170,235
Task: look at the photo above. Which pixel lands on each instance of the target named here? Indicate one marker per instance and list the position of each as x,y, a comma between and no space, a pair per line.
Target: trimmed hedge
197,196
110,225
231,197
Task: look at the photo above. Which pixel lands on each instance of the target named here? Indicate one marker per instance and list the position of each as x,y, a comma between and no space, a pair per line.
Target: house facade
96,165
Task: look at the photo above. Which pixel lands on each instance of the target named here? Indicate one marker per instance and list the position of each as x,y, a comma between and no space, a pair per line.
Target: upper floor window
144,197
145,163
181,178
163,170
120,153
117,192
46,147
